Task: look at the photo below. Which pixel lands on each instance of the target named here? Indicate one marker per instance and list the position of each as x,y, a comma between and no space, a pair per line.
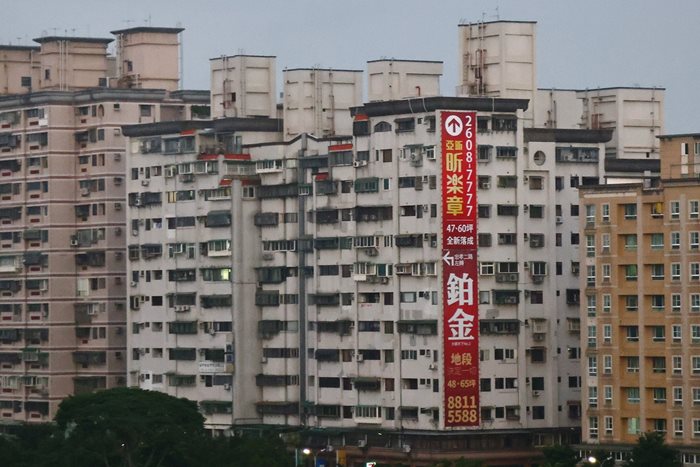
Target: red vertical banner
460,316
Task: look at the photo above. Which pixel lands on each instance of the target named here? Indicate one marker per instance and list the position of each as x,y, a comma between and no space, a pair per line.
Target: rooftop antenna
128,22
498,14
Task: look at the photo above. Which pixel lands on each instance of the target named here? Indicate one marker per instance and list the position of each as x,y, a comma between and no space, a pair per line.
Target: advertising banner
460,315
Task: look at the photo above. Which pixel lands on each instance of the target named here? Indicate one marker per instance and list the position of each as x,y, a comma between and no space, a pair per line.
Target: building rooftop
243,55
564,135
222,125
496,22
20,47
322,69
148,29
93,40
403,60
680,135
431,104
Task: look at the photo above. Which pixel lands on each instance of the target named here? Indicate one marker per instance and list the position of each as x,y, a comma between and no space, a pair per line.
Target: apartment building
192,258
334,316
640,303
62,220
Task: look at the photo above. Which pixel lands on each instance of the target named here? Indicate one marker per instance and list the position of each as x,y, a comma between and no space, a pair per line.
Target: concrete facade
640,299
62,229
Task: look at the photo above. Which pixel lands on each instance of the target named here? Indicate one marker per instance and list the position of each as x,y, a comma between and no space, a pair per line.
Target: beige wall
148,58
72,63
401,79
16,62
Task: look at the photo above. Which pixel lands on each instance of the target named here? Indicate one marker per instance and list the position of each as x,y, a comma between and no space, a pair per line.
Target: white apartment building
190,271
333,261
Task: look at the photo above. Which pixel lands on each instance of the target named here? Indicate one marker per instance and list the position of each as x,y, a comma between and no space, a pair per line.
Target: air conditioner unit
227,387
384,280
74,241
145,182
133,284
560,220
357,164
486,185
117,206
118,231
433,366
535,393
117,157
268,256
117,255
362,443
407,448
372,252
360,357
263,360
84,191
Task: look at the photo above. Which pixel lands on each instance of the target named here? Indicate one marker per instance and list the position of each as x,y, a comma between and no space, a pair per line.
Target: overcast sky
580,43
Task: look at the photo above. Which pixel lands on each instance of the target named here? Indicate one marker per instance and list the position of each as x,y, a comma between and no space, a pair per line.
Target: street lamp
593,460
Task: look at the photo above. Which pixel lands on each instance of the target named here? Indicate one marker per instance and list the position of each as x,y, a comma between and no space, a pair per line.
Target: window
693,209
593,396
695,360
608,424
658,333
677,395
633,364
631,272
631,302
694,240
590,275
593,427
607,366
677,364
536,211
696,396
657,241
696,428
591,304
658,364
695,333
633,395
675,302
630,211
632,333
605,212
592,365
607,333
590,214
694,302
695,271
675,271
676,332
590,245
605,242
659,395
675,209
675,240
607,301
606,272
630,242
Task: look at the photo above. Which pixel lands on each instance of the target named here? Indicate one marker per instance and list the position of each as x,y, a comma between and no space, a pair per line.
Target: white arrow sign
450,260
454,125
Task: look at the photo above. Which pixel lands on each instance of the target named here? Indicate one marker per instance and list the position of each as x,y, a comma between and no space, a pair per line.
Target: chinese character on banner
460,289
461,325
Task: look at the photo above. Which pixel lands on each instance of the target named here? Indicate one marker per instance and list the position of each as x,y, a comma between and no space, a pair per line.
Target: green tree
559,456
130,427
652,451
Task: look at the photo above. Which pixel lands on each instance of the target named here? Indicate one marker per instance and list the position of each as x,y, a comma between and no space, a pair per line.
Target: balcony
277,408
